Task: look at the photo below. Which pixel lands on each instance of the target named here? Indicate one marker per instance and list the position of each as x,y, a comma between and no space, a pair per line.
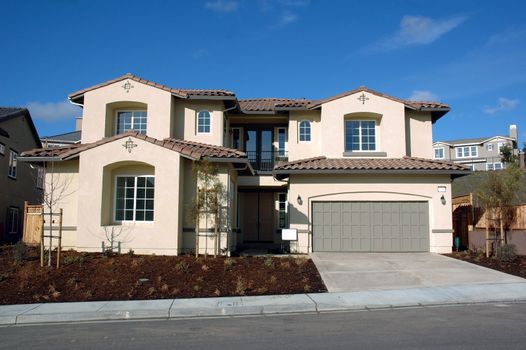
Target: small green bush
182,266
506,253
229,263
269,262
74,259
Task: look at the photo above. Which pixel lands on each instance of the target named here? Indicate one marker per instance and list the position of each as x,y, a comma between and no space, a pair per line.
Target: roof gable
7,113
181,93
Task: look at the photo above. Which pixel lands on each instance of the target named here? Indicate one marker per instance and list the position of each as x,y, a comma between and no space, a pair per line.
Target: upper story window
12,164
236,138
131,120
439,153
467,152
360,135
203,122
2,149
40,177
304,132
134,198
489,147
500,145
282,138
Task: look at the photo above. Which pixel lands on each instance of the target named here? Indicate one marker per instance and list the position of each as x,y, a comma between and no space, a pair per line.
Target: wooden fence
517,223
33,223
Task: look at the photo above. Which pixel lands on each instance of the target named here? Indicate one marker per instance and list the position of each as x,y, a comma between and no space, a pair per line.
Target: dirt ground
517,267
94,276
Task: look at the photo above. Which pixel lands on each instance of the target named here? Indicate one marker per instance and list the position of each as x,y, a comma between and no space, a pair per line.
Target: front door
257,220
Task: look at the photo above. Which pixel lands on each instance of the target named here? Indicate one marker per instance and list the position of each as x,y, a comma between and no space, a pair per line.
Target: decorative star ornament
129,145
127,86
363,98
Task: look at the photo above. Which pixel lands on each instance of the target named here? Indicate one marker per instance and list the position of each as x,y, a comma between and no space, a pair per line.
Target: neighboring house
352,172
469,220
19,182
66,139
479,153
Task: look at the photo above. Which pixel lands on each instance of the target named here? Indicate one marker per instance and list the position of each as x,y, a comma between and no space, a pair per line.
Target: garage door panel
371,226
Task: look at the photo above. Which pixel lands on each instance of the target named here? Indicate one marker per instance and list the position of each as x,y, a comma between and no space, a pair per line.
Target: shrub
506,253
241,286
229,263
73,259
20,252
182,266
269,262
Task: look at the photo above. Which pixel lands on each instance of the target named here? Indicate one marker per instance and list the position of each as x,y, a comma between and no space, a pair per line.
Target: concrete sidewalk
260,305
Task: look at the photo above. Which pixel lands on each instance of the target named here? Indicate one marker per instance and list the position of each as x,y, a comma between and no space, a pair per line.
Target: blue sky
469,54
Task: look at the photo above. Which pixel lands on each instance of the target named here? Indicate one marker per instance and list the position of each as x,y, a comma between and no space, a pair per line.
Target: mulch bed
94,276
517,267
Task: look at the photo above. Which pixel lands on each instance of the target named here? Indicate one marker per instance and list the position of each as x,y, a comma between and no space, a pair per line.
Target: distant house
65,139
19,182
479,154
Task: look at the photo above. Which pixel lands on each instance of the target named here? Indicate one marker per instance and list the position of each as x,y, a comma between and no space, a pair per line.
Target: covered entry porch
262,213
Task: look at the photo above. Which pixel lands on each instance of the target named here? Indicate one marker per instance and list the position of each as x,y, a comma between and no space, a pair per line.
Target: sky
468,54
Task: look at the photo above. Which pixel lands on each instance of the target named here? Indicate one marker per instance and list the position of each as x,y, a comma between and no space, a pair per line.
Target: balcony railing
266,160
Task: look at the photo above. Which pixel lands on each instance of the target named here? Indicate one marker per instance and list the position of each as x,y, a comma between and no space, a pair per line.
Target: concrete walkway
344,272
260,305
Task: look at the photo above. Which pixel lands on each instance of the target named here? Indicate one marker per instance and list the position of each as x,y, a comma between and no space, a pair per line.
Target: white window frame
209,122
40,178
470,149
129,111
285,211
115,220
501,145
489,147
360,135
282,152
13,164
310,131
435,152
492,166
13,220
2,149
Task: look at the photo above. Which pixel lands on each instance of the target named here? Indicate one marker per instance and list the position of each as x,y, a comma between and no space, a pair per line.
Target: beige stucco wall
98,120
371,188
305,149
98,167
185,126
64,178
419,134
390,132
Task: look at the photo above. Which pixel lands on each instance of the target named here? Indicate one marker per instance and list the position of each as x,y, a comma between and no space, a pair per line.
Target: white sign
289,234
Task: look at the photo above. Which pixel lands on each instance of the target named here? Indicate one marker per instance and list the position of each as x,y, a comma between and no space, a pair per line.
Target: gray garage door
370,226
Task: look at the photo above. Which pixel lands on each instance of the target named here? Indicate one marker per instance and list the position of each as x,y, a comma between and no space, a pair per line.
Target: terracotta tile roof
194,150
417,105
183,93
270,104
405,164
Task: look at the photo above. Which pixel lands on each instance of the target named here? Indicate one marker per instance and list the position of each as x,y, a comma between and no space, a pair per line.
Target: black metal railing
266,160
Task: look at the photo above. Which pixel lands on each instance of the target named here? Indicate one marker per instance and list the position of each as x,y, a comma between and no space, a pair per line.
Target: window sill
365,154
11,177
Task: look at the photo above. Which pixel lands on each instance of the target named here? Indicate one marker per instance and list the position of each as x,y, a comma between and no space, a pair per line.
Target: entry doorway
256,216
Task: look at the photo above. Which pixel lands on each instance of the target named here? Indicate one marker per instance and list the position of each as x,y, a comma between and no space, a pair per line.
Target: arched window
203,122
304,131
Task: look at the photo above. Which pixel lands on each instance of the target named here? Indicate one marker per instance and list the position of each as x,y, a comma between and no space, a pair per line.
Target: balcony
266,160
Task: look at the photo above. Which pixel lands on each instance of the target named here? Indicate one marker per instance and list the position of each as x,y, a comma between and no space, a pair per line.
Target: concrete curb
260,305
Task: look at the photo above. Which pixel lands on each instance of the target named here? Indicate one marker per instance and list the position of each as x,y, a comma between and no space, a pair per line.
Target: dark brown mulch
517,267
94,276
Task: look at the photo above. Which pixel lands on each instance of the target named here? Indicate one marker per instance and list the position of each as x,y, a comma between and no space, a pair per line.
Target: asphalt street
481,326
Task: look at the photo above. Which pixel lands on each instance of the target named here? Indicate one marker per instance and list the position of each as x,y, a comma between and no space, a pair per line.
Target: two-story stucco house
353,172
479,154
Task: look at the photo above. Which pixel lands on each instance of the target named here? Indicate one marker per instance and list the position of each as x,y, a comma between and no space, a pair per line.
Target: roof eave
281,174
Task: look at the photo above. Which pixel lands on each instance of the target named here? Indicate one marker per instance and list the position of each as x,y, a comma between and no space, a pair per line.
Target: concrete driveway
350,272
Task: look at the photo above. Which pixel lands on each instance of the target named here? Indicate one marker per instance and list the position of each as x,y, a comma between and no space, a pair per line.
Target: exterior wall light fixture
299,200
443,200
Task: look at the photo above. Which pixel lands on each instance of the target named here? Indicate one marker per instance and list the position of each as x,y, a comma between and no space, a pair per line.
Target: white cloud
423,95
288,18
53,111
417,30
503,104
222,5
